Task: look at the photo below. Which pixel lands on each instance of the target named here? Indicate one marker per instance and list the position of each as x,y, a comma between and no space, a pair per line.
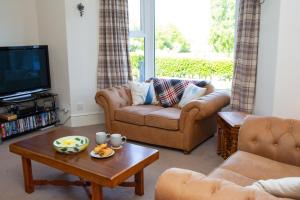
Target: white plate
95,155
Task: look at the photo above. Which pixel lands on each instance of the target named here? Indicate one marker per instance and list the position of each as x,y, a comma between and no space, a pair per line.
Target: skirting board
86,119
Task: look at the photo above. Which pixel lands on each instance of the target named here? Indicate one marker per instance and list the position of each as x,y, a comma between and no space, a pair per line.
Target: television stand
27,113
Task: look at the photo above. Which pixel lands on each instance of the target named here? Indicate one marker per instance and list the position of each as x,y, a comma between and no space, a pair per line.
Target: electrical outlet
80,106
65,110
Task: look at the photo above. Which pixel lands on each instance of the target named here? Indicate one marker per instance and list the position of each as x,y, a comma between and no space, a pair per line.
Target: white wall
278,67
52,31
73,44
28,22
82,44
267,54
18,23
287,93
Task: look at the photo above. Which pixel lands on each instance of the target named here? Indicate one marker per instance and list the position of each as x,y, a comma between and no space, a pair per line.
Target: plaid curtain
244,78
113,63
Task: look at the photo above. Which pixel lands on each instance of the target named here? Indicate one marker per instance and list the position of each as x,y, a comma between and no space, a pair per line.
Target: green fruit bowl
71,144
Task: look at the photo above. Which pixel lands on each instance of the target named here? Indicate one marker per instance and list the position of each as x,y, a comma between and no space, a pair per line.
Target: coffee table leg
139,180
96,191
27,173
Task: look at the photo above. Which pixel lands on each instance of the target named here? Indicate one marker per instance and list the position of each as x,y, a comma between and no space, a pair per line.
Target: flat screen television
24,70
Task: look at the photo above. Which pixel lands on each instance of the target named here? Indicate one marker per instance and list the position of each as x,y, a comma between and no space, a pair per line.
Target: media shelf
38,111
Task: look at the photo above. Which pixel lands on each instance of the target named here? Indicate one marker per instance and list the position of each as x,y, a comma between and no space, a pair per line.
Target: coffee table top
108,171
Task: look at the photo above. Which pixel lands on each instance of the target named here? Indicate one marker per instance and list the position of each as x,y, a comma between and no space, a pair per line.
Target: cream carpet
203,159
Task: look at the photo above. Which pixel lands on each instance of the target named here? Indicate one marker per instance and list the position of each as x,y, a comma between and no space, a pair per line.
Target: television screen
23,69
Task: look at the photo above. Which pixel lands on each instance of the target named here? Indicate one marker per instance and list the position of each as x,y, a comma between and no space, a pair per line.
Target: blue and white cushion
142,93
191,92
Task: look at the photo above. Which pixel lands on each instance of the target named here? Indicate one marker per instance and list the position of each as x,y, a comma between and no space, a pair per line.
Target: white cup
102,137
117,140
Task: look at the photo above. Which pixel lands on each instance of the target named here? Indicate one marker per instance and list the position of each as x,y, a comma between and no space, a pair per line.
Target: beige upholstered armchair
269,148
171,127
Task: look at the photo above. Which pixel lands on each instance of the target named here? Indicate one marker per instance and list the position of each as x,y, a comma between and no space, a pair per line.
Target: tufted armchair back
271,137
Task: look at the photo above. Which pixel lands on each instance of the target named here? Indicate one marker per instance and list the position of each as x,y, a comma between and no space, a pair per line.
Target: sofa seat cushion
257,167
135,114
167,118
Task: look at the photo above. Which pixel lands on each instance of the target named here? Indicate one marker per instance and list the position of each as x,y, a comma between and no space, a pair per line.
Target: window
190,39
137,57
134,7
141,44
137,40
195,40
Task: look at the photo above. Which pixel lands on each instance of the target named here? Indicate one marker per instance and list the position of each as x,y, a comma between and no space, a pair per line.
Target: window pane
134,7
137,58
194,39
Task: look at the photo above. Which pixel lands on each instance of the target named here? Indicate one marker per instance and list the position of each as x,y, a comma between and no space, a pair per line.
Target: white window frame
147,31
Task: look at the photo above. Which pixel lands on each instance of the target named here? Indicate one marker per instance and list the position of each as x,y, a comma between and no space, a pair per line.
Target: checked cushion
170,91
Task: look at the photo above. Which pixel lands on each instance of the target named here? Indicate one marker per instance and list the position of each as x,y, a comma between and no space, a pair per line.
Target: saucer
119,147
94,155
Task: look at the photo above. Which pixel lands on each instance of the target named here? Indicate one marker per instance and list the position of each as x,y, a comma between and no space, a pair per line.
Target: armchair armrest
183,184
111,99
207,105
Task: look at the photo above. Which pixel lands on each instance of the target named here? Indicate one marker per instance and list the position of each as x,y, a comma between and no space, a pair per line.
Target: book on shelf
8,116
18,126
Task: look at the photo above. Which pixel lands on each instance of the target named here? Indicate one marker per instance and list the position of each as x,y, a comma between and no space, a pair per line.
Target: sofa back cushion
271,137
191,92
142,93
170,91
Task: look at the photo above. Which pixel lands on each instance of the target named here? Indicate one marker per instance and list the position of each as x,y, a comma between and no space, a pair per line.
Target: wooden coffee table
97,173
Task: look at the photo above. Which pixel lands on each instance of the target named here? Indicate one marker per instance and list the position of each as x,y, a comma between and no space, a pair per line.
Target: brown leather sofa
171,127
269,148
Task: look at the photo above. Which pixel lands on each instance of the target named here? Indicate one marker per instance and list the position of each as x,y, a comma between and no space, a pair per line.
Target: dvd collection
22,125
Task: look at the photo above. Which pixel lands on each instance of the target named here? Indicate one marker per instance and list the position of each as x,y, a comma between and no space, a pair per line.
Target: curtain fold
113,61
246,51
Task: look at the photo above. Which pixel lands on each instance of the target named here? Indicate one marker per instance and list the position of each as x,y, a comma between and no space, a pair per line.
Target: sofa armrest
116,96
183,184
111,99
207,105
271,137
